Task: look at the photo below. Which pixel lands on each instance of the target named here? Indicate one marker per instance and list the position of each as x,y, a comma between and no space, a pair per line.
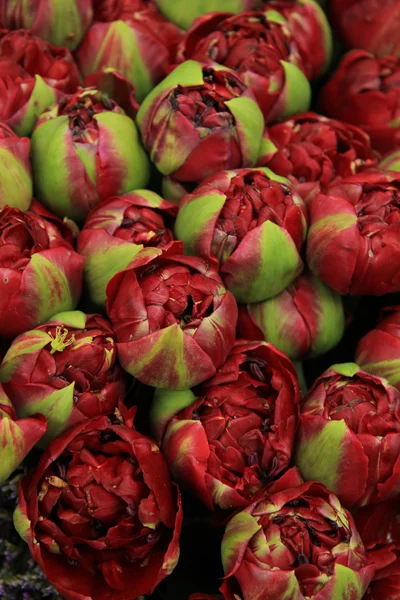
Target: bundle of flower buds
199,300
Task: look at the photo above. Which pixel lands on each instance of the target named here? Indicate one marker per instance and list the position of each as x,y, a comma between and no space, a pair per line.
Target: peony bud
304,321
93,147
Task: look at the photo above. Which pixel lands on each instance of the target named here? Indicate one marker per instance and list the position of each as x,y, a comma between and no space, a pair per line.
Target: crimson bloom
200,120
365,91
54,64
350,413
356,224
314,152
93,146
100,514
227,438
261,50
173,318
40,273
66,369
239,220
295,541
378,352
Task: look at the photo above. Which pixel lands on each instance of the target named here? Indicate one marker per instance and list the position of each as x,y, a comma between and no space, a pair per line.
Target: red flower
235,432
40,273
54,64
366,91
173,319
313,151
100,514
261,51
66,369
356,224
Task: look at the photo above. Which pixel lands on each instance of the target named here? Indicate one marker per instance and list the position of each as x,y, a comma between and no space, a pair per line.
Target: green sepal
22,525
325,465
41,98
166,404
71,318
297,90
56,407
346,369
101,267
250,126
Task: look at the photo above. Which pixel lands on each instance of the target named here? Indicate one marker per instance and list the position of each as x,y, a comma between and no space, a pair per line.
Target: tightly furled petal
350,413
174,320
40,273
235,433
100,514
365,91
262,52
93,147
238,219
356,224
116,230
314,152
294,542
65,369
304,321
199,121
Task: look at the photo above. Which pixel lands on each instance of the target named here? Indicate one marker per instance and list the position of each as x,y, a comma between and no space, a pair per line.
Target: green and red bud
40,273
173,319
200,120
378,352
227,438
304,321
15,170
63,23
116,230
139,43
259,47
349,435
296,541
17,436
85,150
251,224
183,14
66,370
355,224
